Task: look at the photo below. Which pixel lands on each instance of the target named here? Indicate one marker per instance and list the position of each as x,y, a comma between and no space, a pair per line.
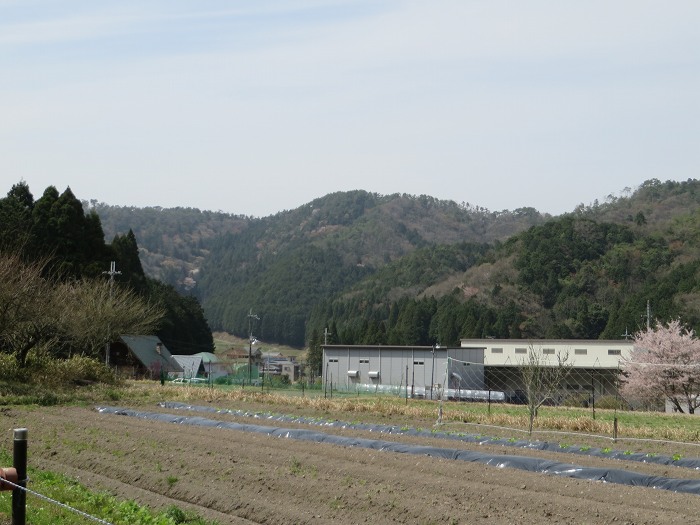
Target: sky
258,106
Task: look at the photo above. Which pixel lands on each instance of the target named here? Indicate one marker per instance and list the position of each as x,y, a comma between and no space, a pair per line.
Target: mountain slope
282,266
360,258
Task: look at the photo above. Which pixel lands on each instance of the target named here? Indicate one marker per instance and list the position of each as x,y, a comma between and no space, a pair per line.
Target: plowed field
239,478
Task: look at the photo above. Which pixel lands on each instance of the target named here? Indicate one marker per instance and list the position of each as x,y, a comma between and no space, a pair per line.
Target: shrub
9,368
224,380
579,399
43,369
610,403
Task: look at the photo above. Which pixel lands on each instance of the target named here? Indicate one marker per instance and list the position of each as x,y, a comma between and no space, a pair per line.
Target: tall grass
631,424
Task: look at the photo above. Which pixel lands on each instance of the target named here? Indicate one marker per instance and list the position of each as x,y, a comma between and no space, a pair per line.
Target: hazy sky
257,106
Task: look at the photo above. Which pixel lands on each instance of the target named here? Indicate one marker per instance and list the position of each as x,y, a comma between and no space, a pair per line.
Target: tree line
57,295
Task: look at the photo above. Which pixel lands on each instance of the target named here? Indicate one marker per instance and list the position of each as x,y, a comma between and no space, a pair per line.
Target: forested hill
403,269
587,274
281,265
174,242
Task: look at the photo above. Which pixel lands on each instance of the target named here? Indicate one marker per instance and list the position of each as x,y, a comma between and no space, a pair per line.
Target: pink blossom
664,365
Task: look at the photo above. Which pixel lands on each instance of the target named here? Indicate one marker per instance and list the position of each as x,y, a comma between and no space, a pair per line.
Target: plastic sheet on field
692,463
530,464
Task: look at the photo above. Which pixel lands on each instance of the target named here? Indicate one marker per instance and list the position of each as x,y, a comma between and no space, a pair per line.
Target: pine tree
314,360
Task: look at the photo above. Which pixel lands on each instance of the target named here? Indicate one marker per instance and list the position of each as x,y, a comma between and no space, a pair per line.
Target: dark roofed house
142,356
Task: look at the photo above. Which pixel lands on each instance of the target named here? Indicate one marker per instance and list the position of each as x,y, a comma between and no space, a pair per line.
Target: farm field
237,477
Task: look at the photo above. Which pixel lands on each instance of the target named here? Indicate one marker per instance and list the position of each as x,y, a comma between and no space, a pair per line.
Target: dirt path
238,478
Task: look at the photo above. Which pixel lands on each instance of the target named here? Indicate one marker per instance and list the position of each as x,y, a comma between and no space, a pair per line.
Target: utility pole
648,316
112,272
251,316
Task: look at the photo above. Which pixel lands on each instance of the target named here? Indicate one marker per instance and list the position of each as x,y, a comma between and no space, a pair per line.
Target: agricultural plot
238,477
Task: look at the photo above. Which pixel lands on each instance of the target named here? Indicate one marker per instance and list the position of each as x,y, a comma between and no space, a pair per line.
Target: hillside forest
401,269
363,268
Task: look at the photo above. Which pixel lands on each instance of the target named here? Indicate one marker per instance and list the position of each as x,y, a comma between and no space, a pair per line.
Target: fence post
19,459
593,395
407,384
615,429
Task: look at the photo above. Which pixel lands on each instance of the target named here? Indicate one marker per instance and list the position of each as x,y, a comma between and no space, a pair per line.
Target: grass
423,413
379,408
224,341
296,468
102,505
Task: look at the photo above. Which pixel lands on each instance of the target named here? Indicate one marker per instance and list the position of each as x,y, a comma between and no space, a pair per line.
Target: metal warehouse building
418,368
477,368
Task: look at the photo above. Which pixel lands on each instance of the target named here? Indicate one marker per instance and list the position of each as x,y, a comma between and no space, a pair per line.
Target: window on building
580,351
614,352
548,351
364,361
417,362
332,360
521,350
497,350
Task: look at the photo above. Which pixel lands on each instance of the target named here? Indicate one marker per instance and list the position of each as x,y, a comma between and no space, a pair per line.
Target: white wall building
595,362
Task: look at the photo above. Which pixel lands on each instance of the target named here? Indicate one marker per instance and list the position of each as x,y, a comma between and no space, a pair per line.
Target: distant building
191,365
420,370
276,364
212,366
478,368
142,356
595,362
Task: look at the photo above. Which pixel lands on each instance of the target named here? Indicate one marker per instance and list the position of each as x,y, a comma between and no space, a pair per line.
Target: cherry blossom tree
664,364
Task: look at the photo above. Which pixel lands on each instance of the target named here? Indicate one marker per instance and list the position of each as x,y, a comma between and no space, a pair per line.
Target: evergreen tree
314,360
127,258
16,219
184,328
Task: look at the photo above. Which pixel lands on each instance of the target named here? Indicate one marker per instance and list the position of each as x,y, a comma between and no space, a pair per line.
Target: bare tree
26,312
37,313
94,314
543,377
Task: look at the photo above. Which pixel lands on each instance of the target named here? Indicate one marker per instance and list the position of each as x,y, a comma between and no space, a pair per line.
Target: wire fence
590,401
63,506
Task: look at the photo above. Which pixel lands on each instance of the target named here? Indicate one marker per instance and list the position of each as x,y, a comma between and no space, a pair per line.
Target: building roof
272,355
391,347
190,364
145,349
208,357
538,342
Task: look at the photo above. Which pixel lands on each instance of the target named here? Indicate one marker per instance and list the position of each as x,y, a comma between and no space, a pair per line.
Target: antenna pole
112,272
